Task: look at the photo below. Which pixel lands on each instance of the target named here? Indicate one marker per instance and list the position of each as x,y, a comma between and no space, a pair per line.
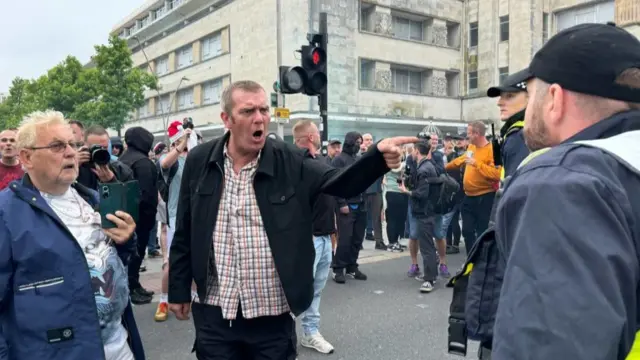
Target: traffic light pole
324,97
280,130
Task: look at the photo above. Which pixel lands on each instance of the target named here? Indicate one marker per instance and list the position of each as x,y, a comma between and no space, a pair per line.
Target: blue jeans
311,318
153,239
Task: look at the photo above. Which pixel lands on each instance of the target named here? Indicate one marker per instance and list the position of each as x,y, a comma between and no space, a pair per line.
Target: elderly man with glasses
63,280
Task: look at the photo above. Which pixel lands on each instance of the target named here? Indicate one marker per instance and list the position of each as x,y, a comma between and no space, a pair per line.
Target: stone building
395,66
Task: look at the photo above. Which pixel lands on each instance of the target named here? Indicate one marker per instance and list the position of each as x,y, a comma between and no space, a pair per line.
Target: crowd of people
250,227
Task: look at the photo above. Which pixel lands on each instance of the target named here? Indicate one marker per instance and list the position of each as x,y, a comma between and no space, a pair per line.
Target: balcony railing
157,14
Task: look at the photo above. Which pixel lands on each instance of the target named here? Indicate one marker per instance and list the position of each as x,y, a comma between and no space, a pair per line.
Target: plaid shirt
247,274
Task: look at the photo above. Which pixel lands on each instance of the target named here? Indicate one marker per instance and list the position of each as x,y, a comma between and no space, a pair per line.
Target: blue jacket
36,249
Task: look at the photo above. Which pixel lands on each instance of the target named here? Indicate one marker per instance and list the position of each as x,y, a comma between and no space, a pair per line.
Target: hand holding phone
125,226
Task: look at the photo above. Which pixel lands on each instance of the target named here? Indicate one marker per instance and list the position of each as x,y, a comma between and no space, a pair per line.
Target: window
473,80
504,28
367,74
504,72
162,65
407,29
159,12
184,57
366,11
473,34
212,91
211,46
545,27
595,13
145,21
163,105
185,99
143,110
406,81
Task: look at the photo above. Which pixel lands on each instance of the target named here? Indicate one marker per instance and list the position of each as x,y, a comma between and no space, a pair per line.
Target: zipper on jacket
206,280
230,323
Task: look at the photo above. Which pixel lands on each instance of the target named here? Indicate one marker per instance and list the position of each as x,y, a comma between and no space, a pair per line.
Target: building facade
395,66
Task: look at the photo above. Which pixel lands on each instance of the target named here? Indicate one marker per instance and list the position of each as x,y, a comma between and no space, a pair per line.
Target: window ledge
407,93
409,40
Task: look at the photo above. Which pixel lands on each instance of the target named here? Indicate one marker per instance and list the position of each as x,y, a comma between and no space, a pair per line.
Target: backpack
476,287
444,198
163,180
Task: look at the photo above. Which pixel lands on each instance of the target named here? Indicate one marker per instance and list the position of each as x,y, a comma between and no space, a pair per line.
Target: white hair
35,122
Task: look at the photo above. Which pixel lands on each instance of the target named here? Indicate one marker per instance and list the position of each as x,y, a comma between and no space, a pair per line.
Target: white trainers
317,342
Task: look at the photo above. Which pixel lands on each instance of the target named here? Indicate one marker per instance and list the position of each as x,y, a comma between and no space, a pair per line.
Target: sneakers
338,276
414,271
444,271
395,247
162,312
357,274
381,246
426,287
452,250
316,342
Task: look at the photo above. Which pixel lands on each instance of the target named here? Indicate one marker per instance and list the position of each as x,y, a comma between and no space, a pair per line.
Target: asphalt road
383,318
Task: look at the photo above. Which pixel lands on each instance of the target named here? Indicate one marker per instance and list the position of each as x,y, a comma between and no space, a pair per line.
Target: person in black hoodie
509,150
352,218
139,142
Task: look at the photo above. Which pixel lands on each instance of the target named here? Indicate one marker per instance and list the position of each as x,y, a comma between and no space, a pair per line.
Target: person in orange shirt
479,183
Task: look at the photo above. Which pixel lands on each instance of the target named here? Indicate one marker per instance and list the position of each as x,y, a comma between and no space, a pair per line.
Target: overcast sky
35,35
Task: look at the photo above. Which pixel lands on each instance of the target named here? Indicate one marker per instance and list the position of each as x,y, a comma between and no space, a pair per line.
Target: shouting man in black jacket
244,230
352,217
139,142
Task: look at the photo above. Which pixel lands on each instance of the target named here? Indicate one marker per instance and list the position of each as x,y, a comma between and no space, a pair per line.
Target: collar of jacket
26,190
613,125
519,116
265,163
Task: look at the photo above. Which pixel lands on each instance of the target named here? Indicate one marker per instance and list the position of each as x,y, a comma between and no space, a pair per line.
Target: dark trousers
374,213
425,230
143,232
396,215
263,338
454,232
351,228
476,211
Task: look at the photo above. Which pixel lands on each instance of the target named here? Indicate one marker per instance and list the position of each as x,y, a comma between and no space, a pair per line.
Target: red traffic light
315,57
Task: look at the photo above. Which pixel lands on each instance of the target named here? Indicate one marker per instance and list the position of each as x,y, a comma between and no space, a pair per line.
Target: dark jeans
143,232
153,239
396,215
476,211
454,232
351,228
425,233
374,214
263,338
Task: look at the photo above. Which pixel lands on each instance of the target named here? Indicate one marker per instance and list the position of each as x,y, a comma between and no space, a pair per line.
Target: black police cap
513,83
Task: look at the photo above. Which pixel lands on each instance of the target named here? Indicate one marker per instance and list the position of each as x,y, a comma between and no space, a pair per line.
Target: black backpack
163,182
444,199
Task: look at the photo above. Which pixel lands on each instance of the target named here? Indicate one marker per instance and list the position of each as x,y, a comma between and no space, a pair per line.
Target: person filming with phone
62,274
94,161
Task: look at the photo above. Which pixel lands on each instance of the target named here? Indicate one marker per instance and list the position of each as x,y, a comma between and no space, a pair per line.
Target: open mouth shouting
258,136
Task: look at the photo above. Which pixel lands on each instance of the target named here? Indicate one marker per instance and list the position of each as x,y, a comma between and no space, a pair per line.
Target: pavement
384,318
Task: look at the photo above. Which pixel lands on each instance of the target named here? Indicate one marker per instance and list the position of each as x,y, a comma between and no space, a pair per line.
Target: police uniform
569,219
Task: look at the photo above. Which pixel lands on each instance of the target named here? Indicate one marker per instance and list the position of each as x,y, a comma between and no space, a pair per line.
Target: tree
105,94
120,86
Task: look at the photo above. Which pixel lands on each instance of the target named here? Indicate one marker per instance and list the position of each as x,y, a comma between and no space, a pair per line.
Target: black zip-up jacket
513,148
347,157
287,184
324,216
420,206
139,141
569,225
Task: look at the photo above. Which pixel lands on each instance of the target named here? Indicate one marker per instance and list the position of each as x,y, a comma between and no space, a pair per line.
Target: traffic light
314,63
311,77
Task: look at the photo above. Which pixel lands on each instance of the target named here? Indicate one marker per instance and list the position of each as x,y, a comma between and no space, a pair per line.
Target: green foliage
104,94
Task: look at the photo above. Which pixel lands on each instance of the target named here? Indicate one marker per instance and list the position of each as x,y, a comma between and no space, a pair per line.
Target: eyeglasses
59,146
8,140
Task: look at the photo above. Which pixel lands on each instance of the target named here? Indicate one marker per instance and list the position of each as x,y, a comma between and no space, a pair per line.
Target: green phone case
118,196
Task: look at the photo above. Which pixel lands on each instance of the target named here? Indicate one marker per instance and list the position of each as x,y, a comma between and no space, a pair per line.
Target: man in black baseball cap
509,148
568,221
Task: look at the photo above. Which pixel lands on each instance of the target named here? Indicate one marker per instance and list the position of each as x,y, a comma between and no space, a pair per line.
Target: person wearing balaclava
351,218
139,142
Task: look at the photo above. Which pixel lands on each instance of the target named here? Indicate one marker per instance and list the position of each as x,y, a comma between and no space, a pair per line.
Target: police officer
569,220
509,149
